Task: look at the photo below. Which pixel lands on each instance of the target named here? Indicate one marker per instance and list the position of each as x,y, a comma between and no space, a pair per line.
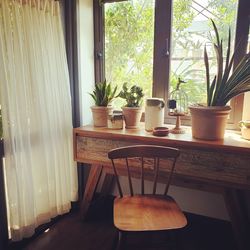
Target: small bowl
160,131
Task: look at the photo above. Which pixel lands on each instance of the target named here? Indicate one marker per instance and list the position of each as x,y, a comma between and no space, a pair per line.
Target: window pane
192,29
129,38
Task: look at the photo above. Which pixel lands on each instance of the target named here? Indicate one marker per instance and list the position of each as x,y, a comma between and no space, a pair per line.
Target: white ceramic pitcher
154,113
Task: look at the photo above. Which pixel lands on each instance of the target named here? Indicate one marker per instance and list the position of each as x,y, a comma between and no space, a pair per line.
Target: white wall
194,201
86,57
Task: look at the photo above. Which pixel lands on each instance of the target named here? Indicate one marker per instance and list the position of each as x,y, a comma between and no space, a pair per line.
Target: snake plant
103,93
228,82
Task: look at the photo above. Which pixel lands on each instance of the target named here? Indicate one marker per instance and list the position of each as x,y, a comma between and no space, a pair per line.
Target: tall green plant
224,85
103,93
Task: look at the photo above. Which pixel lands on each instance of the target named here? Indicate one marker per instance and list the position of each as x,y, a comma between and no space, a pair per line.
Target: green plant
225,86
133,96
103,93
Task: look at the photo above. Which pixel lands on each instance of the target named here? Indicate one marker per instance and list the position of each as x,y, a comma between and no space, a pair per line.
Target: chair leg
171,240
116,241
119,245
174,240
121,241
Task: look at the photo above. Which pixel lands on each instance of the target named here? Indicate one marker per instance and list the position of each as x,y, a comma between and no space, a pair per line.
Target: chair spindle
117,179
156,169
170,176
129,178
142,176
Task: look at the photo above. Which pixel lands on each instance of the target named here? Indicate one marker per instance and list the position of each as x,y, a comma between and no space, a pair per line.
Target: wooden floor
98,233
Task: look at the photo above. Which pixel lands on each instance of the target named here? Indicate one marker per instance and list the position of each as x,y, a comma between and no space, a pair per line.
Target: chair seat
147,213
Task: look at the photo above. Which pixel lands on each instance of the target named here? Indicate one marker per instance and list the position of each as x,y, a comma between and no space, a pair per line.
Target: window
129,43
153,42
191,32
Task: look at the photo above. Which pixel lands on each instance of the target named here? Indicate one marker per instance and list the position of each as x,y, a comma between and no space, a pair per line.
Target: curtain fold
41,176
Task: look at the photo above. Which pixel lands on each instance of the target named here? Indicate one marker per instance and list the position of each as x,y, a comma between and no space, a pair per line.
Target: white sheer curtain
37,119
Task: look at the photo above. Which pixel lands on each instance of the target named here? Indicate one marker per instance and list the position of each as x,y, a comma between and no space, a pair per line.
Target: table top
233,142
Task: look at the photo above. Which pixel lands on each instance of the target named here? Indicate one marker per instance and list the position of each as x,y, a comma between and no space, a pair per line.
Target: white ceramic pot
154,113
209,123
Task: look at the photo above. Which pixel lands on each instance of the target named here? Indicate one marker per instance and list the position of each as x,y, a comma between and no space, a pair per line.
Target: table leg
238,218
93,179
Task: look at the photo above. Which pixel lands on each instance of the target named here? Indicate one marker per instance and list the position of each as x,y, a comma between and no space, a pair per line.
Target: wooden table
216,166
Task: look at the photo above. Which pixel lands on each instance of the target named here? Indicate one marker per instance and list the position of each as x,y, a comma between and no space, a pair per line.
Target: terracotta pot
132,116
209,123
100,115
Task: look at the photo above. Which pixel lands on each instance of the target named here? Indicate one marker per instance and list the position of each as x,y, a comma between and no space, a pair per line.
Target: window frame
241,36
162,52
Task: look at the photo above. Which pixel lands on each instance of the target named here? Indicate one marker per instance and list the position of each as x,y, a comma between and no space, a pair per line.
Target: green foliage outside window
129,43
129,36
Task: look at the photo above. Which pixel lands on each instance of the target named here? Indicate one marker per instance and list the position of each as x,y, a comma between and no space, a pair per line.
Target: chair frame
144,151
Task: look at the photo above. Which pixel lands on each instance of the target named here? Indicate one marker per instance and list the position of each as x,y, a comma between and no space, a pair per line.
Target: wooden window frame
241,37
162,51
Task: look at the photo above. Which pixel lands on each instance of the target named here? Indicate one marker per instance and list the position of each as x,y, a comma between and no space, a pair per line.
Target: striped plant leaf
103,93
227,83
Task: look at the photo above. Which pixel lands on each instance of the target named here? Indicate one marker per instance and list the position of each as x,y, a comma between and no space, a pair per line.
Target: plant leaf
219,56
216,32
207,74
211,92
103,94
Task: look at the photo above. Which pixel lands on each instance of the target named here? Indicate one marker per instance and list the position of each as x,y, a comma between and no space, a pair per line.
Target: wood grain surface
225,163
147,213
233,142
214,166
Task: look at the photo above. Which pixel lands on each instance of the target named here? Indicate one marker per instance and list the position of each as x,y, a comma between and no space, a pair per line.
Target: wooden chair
145,212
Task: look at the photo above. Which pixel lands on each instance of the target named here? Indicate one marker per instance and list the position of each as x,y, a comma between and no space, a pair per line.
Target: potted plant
209,121
132,111
102,95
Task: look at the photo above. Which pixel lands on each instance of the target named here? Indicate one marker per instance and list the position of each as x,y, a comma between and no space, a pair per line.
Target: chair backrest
141,152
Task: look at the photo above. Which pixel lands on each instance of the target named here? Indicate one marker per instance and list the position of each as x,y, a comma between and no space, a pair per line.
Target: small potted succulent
132,111
102,95
209,121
